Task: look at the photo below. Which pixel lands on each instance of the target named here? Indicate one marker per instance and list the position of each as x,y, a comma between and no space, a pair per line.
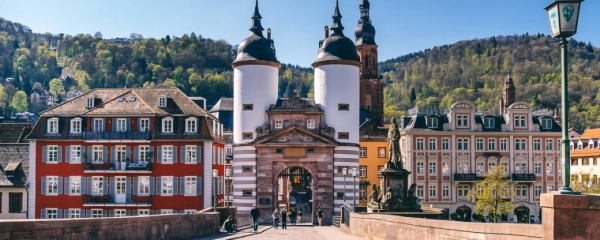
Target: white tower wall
256,85
339,84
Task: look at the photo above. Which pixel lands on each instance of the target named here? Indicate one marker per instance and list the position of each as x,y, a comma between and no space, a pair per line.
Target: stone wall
570,216
177,226
380,226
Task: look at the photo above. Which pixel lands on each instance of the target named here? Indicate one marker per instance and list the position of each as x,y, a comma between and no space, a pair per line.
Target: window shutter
82,184
68,154
90,154
175,185
89,185
128,186
43,214
104,185
151,212
136,154
128,154
104,154
59,154
198,154
82,213
128,213
151,149
44,186
183,155
104,213
135,213
113,155
158,212
182,185
128,124
44,154
174,154
135,186
114,125
113,186
151,185
159,157
88,213
67,215
60,185
111,213
139,124
158,186
67,185
198,186
58,214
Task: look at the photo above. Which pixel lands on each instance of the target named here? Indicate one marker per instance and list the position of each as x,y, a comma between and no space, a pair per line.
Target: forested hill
475,70
197,65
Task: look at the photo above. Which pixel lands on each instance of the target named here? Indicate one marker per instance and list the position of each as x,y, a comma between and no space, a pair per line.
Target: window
432,122
52,154
143,185
120,213
537,168
143,212
549,189
504,167
53,125
432,144
279,150
167,125
247,107
190,125
166,211
190,185
491,166
97,185
121,154
420,168
547,123
480,169
167,185
520,121
549,144
420,191
144,153
190,154
121,125
432,191
51,185
343,107
520,168
310,124
538,191
247,193
463,168
432,168
15,202
278,124
51,213
162,101
247,169
76,125
362,171
503,144
97,213
579,145
144,124
98,125
521,191
343,135
491,144
445,191
362,191
89,102
247,135
520,145
120,185
420,144
190,211
75,154
479,144
591,144
537,144
445,144
462,120
362,152
167,154
446,168
74,213
98,152
228,150
74,185
489,123
463,144
550,168
462,191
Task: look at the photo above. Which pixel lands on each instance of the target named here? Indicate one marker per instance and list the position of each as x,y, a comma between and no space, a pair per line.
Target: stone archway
310,207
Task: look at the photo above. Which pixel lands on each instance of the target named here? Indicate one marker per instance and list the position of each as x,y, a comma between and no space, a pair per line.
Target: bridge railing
346,210
243,222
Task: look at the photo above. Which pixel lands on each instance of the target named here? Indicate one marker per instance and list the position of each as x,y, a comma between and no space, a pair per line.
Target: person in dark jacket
293,216
228,225
284,215
255,214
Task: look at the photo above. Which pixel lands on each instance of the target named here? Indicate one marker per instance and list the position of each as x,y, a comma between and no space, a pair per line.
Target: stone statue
394,160
374,198
413,200
387,198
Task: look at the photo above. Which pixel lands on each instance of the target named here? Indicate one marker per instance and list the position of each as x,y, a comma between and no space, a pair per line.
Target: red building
122,152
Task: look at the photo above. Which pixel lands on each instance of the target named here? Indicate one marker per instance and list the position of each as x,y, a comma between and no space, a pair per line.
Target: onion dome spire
256,25
365,32
337,27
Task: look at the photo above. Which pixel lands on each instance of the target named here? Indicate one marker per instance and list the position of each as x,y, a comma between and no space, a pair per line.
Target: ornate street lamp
563,16
227,174
344,172
215,174
354,172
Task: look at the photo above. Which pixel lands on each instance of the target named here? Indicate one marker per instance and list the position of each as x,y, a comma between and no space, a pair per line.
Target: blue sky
402,26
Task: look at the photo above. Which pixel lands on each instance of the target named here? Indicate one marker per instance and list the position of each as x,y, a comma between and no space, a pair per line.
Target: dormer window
167,125
162,101
191,125
432,122
520,121
89,102
53,125
462,120
76,125
278,124
310,124
579,145
547,123
591,145
489,122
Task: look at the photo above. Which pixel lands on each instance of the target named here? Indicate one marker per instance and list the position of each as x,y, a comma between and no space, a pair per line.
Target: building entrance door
121,190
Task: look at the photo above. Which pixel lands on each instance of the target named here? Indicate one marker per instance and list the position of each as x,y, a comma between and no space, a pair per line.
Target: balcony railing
117,199
117,135
118,166
465,177
523,177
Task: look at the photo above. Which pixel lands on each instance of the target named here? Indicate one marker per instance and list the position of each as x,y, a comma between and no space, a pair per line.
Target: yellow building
373,156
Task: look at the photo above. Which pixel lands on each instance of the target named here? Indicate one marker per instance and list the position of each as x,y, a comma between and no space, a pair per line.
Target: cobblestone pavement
300,232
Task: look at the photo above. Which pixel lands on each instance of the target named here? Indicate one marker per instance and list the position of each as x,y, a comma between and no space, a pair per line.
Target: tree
413,95
57,87
2,98
19,102
493,194
98,35
585,184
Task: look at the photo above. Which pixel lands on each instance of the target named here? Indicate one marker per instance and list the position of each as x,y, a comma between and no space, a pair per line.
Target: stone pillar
570,216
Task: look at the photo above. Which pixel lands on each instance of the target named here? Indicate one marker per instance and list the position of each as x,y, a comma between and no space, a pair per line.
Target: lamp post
344,172
563,16
215,175
227,174
354,172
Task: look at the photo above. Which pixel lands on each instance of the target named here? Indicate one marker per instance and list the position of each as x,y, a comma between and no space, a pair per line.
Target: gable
295,135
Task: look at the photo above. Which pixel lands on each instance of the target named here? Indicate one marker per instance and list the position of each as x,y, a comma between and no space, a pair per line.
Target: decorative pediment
295,135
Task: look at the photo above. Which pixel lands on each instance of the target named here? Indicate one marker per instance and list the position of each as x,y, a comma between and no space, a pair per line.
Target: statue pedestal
397,180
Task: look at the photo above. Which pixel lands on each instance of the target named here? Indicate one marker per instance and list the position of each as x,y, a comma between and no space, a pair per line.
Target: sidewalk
241,234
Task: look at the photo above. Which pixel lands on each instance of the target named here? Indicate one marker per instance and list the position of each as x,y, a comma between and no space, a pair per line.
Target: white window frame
143,185
76,154
51,185
97,185
590,144
190,154
76,125
537,169
121,153
167,155
537,192
549,144
74,185
445,144
190,186
278,124
74,213
53,125
480,169
521,168
420,144
191,125
166,211
432,191
445,191
362,152
521,191
491,144
311,123
51,213
166,189
97,154
489,122
463,167
362,171
97,213
167,125
547,123
432,122
143,154
420,168
462,120
491,165
89,102
190,211
162,101
550,168
98,124
479,144
52,154
432,144
520,121
445,168
144,125
520,144
462,191
503,144
120,185
420,191
462,144
120,213
143,212
432,168
121,125
537,144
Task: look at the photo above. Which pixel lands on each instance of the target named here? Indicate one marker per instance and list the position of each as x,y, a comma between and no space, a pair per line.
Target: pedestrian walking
275,217
255,214
320,215
284,215
293,216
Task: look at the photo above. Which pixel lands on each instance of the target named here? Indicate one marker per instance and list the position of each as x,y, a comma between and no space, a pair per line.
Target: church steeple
508,93
365,6
337,27
256,25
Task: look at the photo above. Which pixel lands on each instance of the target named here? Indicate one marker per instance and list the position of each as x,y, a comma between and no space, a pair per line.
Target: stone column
570,216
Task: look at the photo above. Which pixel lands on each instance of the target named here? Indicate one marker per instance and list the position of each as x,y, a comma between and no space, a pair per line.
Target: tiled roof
14,156
224,104
13,132
585,152
591,134
295,104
